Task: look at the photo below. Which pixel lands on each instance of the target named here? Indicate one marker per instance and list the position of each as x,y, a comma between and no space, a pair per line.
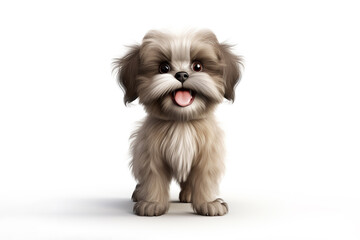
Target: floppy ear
232,71
127,69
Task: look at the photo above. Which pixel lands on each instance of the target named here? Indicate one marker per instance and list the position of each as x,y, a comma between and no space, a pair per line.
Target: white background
292,135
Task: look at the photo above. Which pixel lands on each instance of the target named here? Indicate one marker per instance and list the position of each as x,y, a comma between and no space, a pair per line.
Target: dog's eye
196,66
164,68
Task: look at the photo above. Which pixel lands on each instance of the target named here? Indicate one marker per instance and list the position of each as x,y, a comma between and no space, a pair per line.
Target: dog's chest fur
179,148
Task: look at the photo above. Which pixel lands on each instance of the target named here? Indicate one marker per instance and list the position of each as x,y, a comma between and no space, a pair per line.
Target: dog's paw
150,209
215,208
185,196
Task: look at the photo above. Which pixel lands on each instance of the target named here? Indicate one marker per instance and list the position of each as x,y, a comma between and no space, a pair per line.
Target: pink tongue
183,98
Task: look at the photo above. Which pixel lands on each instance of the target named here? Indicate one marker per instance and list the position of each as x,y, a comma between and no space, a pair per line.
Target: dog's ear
127,69
232,70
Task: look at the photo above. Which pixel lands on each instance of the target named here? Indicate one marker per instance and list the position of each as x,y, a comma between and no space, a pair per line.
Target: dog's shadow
112,207
96,207
123,208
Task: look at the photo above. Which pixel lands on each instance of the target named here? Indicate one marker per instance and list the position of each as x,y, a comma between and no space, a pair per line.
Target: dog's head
179,77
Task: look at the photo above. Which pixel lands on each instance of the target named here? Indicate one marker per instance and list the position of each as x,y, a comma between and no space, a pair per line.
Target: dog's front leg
152,192
205,182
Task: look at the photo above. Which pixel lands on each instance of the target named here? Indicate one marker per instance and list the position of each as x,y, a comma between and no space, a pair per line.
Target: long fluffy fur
184,143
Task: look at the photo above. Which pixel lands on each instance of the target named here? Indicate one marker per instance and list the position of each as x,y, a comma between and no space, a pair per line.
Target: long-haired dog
179,79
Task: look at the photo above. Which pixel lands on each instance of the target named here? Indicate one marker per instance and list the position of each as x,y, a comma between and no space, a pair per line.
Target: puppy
179,79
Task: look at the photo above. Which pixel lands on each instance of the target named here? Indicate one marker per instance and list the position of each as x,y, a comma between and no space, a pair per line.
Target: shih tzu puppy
179,79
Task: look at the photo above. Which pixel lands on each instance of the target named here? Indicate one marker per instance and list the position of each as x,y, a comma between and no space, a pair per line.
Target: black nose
181,76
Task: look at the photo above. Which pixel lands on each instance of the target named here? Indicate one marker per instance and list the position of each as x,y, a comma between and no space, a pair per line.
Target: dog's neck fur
181,142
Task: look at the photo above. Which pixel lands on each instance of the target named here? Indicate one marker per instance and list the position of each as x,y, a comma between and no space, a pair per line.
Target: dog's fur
184,143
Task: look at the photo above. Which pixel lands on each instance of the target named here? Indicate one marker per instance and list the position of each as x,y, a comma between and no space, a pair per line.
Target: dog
179,79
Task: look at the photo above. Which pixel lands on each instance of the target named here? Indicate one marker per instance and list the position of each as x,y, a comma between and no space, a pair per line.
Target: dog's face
179,77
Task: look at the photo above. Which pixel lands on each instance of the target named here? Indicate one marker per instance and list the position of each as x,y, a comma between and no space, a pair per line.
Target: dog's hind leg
185,193
134,196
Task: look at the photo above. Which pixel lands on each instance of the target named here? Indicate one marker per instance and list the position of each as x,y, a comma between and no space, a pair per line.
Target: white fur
161,84
180,49
179,149
202,82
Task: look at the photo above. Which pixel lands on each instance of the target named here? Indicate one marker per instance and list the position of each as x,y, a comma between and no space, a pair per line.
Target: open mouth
183,97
